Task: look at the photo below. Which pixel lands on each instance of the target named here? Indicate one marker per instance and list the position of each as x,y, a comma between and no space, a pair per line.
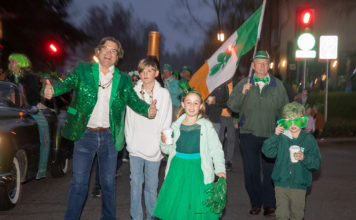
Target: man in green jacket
259,100
95,121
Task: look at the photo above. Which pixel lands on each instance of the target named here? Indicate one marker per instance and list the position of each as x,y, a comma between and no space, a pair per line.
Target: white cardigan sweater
143,135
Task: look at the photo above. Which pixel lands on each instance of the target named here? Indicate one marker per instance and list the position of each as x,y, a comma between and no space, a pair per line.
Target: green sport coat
84,81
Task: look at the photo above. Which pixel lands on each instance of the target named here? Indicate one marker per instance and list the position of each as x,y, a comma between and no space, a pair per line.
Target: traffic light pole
326,91
305,73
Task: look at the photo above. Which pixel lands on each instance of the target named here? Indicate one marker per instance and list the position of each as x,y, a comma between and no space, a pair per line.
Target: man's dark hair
120,52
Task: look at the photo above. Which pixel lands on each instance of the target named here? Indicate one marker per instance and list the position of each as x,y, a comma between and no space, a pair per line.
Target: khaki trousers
290,203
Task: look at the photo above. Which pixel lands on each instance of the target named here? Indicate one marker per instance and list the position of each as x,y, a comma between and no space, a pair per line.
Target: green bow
184,85
264,79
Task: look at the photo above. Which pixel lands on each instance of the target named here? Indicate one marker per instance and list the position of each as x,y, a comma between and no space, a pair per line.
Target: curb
341,139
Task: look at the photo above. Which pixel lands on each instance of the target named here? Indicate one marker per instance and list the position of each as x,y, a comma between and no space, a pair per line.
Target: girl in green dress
195,157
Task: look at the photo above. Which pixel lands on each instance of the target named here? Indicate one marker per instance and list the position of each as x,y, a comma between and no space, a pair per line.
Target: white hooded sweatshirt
143,135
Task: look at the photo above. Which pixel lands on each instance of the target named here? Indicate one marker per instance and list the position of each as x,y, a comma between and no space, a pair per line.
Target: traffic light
304,33
53,48
305,19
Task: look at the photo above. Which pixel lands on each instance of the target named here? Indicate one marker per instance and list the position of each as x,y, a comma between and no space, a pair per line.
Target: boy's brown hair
146,62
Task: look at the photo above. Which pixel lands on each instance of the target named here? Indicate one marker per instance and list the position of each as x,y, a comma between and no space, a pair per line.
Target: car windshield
7,95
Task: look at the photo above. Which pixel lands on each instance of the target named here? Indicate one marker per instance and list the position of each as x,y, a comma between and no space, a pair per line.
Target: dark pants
259,188
228,142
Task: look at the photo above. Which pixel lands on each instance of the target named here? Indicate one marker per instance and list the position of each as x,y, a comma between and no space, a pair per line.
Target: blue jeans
143,171
97,174
92,143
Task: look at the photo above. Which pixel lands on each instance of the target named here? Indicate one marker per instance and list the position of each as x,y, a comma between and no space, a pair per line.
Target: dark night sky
158,11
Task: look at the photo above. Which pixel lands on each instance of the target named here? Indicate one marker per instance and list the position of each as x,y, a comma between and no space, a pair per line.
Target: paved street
333,195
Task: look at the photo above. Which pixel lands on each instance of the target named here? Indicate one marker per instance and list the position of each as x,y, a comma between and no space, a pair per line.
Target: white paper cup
210,100
292,150
168,133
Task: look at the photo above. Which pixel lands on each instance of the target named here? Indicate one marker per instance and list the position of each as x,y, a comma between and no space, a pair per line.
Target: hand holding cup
166,136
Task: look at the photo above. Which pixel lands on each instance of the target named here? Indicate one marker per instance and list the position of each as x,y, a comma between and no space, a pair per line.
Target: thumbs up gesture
152,111
48,89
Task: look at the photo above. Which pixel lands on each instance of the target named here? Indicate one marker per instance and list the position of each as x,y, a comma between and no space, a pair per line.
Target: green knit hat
167,67
187,68
262,54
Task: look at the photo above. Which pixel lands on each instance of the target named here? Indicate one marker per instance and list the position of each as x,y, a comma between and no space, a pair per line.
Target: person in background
302,97
172,84
143,139
135,78
2,74
310,128
21,74
319,120
95,122
259,100
292,173
295,89
215,103
227,132
186,73
176,74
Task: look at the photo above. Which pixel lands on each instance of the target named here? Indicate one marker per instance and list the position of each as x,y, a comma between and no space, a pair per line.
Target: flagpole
258,36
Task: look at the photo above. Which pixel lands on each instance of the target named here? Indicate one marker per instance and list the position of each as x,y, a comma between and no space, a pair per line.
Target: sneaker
96,192
228,166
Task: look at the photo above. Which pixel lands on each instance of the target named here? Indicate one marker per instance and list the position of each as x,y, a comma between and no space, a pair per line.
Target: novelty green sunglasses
300,122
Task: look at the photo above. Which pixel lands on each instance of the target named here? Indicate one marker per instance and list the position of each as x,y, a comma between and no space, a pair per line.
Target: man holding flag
259,99
221,66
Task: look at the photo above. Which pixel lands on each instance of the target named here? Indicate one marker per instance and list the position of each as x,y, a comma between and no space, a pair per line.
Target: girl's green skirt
183,191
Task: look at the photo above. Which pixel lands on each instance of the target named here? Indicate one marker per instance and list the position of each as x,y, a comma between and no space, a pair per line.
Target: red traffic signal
305,17
53,48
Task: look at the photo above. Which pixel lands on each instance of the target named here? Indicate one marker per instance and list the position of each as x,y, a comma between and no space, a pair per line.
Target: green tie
264,80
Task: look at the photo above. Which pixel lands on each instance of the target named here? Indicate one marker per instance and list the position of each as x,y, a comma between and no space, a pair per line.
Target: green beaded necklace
150,94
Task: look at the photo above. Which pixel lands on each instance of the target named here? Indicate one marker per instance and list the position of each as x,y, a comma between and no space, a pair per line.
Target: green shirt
189,139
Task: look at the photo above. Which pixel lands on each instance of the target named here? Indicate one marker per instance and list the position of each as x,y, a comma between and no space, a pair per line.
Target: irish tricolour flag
221,66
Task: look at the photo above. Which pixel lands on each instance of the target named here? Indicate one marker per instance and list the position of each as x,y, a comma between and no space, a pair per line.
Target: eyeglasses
300,122
110,49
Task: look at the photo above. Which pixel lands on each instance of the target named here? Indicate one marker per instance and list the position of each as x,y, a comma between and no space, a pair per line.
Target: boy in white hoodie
143,138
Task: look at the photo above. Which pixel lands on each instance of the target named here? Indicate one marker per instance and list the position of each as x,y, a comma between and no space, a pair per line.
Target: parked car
20,143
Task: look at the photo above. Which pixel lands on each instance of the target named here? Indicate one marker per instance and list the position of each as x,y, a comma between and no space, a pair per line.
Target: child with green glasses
297,156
